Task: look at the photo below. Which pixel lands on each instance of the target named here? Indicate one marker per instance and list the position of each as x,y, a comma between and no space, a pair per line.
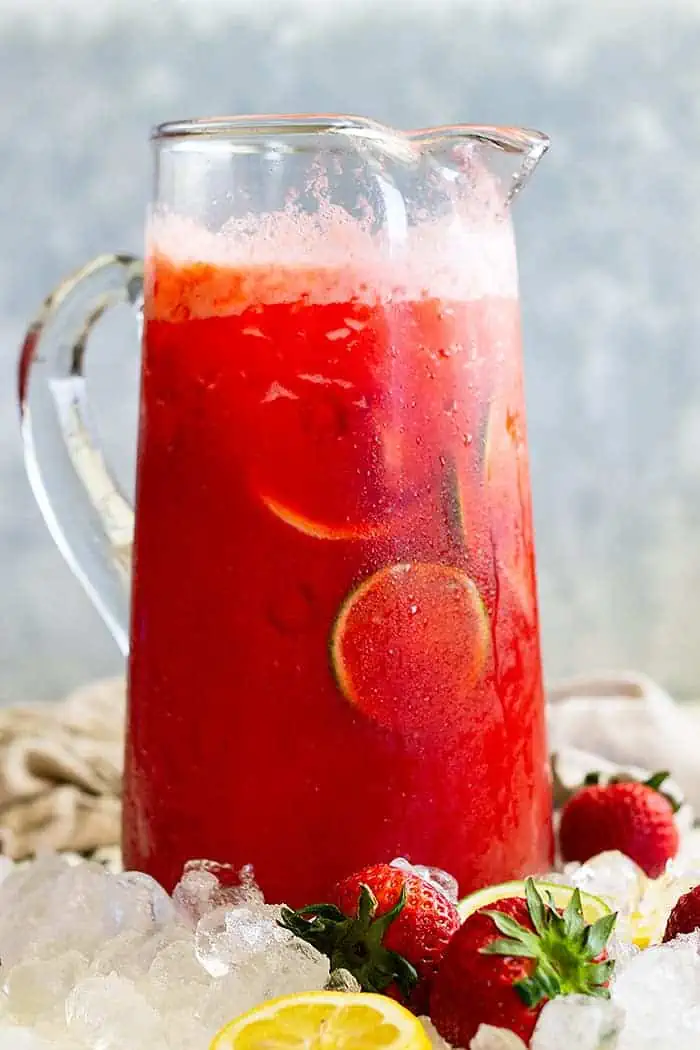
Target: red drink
335,654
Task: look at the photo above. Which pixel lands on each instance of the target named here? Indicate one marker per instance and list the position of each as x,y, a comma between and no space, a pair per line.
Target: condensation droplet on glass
413,609
419,440
276,391
468,438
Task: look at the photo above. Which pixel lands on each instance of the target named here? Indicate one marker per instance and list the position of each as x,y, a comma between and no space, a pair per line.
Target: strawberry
685,917
389,927
507,961
625,815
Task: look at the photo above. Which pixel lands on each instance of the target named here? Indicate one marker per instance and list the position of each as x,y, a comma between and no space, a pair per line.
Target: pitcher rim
527,141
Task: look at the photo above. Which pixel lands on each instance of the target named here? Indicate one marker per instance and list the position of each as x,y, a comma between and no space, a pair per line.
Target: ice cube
490,1038
442,880
253,959
293,967
197,894
620,951
206,886
612,876
139,901
131,953
176,978
246,940
287,969
247,890
22,895
581,1022
49,909
185,1031
228,997
18,1038
54,906
108,1013
26,879
229,937
36,990
659,989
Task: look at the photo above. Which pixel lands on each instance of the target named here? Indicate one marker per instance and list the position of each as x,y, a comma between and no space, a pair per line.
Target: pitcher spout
509,154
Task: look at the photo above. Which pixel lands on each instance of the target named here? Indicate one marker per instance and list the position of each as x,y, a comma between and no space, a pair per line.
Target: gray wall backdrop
609,248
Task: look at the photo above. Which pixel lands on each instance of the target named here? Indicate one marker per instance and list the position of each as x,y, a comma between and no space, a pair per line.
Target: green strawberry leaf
543,984
510,927
536,907
513,948
598,935
600,973
574,922
562,946
657,780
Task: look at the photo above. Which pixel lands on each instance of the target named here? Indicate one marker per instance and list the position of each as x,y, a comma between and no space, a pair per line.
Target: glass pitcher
333,646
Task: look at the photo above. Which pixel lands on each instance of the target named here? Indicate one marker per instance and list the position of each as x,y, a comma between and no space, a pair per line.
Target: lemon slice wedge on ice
325,1021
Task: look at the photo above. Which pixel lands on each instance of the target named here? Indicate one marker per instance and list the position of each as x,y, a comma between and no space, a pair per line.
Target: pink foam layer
328,257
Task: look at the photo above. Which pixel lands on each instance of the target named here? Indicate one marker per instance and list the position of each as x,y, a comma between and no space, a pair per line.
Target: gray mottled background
610,263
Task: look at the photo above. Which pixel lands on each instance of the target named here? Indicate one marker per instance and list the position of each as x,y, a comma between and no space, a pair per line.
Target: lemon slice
325,1021
593,907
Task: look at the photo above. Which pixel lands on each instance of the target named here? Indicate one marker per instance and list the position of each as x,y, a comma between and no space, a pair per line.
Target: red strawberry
634,818
685,917
387,926
507,961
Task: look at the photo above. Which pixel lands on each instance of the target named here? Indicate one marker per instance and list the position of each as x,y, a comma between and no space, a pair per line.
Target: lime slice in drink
593,907
409,645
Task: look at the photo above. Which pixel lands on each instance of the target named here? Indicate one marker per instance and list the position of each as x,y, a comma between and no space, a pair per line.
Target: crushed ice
96,960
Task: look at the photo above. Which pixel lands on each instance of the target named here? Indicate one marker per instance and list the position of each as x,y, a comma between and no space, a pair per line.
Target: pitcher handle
89,517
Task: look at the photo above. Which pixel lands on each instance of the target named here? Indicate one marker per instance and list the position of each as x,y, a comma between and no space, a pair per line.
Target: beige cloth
61,764
60,772
629,722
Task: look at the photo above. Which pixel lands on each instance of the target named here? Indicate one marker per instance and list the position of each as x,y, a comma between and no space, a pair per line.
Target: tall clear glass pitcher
333,643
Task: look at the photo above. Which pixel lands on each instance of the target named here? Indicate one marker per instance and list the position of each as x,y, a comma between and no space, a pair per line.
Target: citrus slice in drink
324,530
325,1021
408,645
593,907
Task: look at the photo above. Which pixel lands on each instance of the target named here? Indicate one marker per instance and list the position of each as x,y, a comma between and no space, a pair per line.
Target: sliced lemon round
325,1021
593,907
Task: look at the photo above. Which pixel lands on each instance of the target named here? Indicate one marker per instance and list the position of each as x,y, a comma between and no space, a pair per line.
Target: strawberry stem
565,948
356,943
